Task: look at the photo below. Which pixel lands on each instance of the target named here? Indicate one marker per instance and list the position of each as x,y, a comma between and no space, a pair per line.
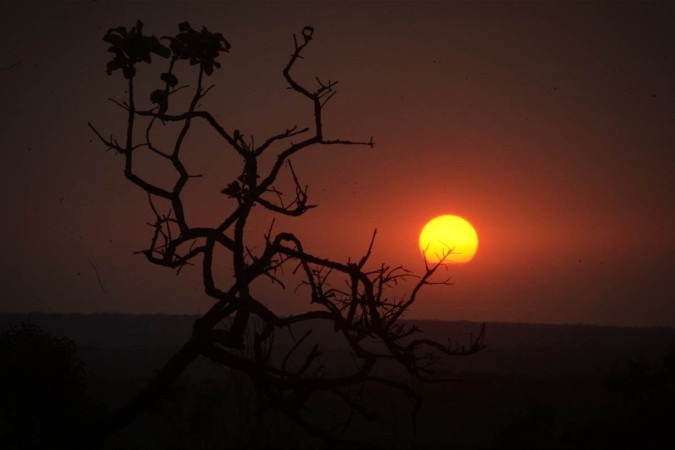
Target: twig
98,277
11,66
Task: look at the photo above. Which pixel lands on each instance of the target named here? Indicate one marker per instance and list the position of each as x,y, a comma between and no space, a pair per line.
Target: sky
549,126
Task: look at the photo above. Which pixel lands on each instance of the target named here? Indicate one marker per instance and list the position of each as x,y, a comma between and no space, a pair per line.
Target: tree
42,386
362,314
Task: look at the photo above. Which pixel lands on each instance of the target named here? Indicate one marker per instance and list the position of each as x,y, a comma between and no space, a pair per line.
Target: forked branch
355,300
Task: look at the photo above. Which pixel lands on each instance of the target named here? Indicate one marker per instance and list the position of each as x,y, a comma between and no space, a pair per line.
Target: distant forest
534,386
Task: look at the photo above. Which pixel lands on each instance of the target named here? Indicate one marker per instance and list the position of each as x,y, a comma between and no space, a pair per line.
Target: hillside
527,372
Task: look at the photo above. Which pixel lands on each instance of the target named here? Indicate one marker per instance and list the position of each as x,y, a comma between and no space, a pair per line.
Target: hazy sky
550,126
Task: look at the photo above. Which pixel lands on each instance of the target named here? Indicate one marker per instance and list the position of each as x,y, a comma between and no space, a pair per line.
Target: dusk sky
549,126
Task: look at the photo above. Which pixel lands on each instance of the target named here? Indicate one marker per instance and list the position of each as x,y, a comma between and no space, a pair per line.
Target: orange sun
448,239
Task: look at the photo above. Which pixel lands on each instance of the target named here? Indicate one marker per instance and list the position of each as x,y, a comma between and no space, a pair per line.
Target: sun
448,239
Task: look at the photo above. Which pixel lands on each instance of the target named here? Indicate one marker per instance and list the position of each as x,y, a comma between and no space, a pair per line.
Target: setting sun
450,239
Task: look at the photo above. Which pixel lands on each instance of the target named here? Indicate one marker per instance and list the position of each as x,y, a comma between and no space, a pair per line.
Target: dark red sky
550,126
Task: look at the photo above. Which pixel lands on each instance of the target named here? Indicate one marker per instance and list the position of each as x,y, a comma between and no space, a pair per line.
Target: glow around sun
448,239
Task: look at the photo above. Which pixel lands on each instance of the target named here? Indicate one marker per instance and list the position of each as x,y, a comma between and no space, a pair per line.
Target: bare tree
361,312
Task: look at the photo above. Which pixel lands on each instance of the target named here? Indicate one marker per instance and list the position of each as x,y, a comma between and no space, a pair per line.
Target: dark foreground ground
534,386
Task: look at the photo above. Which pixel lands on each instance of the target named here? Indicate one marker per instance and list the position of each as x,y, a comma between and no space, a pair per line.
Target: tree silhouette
640,413
362,314
42,386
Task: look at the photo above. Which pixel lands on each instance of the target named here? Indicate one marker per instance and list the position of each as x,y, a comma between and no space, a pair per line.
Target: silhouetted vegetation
42,386
640,413
539,386
219,413
239,330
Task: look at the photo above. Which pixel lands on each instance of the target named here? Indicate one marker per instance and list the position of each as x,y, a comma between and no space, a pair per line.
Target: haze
549,126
